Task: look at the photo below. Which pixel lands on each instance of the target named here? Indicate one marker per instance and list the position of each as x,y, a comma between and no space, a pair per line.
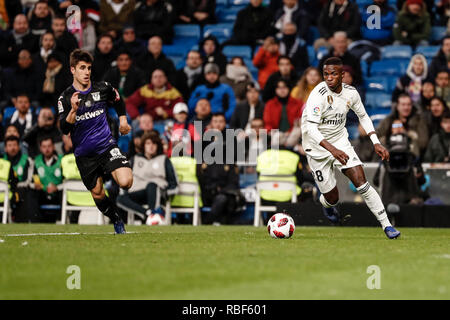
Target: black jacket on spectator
66,43
147,63
10,48
36,133
295,48
349,60
134,79
217,57
39,26
181,83
335,18
27,81
271,84
188,7
102,63
154,20
438,63
239,119
135,48
13,8
299,17
252,24
63,79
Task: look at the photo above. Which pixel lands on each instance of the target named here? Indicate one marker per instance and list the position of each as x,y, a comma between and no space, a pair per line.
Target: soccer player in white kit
325,141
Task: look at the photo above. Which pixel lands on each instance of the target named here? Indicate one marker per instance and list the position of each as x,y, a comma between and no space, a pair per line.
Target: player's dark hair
12,138
79,55
333,61
156,139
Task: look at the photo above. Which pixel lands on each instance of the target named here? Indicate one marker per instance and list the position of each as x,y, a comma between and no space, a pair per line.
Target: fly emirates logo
339,118
89,115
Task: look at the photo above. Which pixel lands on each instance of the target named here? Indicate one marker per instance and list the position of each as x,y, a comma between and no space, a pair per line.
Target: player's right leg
106,206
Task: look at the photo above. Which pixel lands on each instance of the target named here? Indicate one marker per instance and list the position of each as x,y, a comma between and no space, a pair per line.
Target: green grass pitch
228,262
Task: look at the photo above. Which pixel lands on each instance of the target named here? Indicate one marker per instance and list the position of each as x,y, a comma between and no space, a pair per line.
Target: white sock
373,201
325,203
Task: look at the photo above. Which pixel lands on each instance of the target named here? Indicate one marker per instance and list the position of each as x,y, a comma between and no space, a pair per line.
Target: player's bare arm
75,103
124,127
379,149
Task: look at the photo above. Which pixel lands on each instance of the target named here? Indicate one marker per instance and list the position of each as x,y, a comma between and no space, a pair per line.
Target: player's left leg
372,198
123,176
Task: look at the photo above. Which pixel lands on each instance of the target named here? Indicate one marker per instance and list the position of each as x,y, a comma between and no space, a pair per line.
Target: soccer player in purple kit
82,110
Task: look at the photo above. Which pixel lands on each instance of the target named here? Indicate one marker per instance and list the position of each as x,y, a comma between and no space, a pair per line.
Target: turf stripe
55,234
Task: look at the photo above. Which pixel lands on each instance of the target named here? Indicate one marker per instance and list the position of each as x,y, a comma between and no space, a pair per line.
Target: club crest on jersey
330,99
88,103
96,96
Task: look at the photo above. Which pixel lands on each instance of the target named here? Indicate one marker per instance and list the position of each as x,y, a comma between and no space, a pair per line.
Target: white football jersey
329,110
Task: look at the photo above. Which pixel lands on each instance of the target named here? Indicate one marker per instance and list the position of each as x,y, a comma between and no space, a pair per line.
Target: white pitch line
55,234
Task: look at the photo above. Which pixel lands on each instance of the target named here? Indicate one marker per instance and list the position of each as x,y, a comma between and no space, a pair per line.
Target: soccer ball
281,226
154,219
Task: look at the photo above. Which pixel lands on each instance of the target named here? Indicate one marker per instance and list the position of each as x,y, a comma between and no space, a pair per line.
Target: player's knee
126,182
98,194
332,198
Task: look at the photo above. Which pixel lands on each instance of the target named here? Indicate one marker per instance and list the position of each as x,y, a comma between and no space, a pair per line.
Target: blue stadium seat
179,50
394,67
321,52
124,142
428,51
176,59
311,55
222,31
184,31
353,132
394,52
241,51
364,68
7,113
228,14
437,33
378,114
313,35
376,84
378,100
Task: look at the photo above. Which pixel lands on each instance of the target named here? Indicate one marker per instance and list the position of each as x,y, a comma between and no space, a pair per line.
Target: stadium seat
321,52
312,55
428,51
177,49
376,84
313,35
222,31
378,114
187,31
176,59
228,14
7,113
396,52
241,51
378,100
353,132
395,67
437,33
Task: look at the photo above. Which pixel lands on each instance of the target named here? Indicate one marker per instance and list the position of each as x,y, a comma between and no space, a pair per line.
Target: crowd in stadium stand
267,89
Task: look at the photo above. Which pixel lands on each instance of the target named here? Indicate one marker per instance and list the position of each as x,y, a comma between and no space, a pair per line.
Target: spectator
114,14
48,178
154,18
219,183
125,76
285,72
104,57
294,47
25,77
442,86
349,78
429,5
252,24
266,60
443,12
382,35
411,82
154,179
23,117
86,36
145,125
438,149
427,94
40,18
256,142
414,124
309,80
47,45
12,130
442,60
292,11
65,41
154,58
128,42
203,114
211,53
221,96
191,75
338,15
413,25
433,115
13,41
44,128
57,79
157,98
197,12
340,49
25,208
237,77
247,110
281,111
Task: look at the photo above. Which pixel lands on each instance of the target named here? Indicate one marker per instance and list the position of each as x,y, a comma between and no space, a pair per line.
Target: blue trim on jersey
83,92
